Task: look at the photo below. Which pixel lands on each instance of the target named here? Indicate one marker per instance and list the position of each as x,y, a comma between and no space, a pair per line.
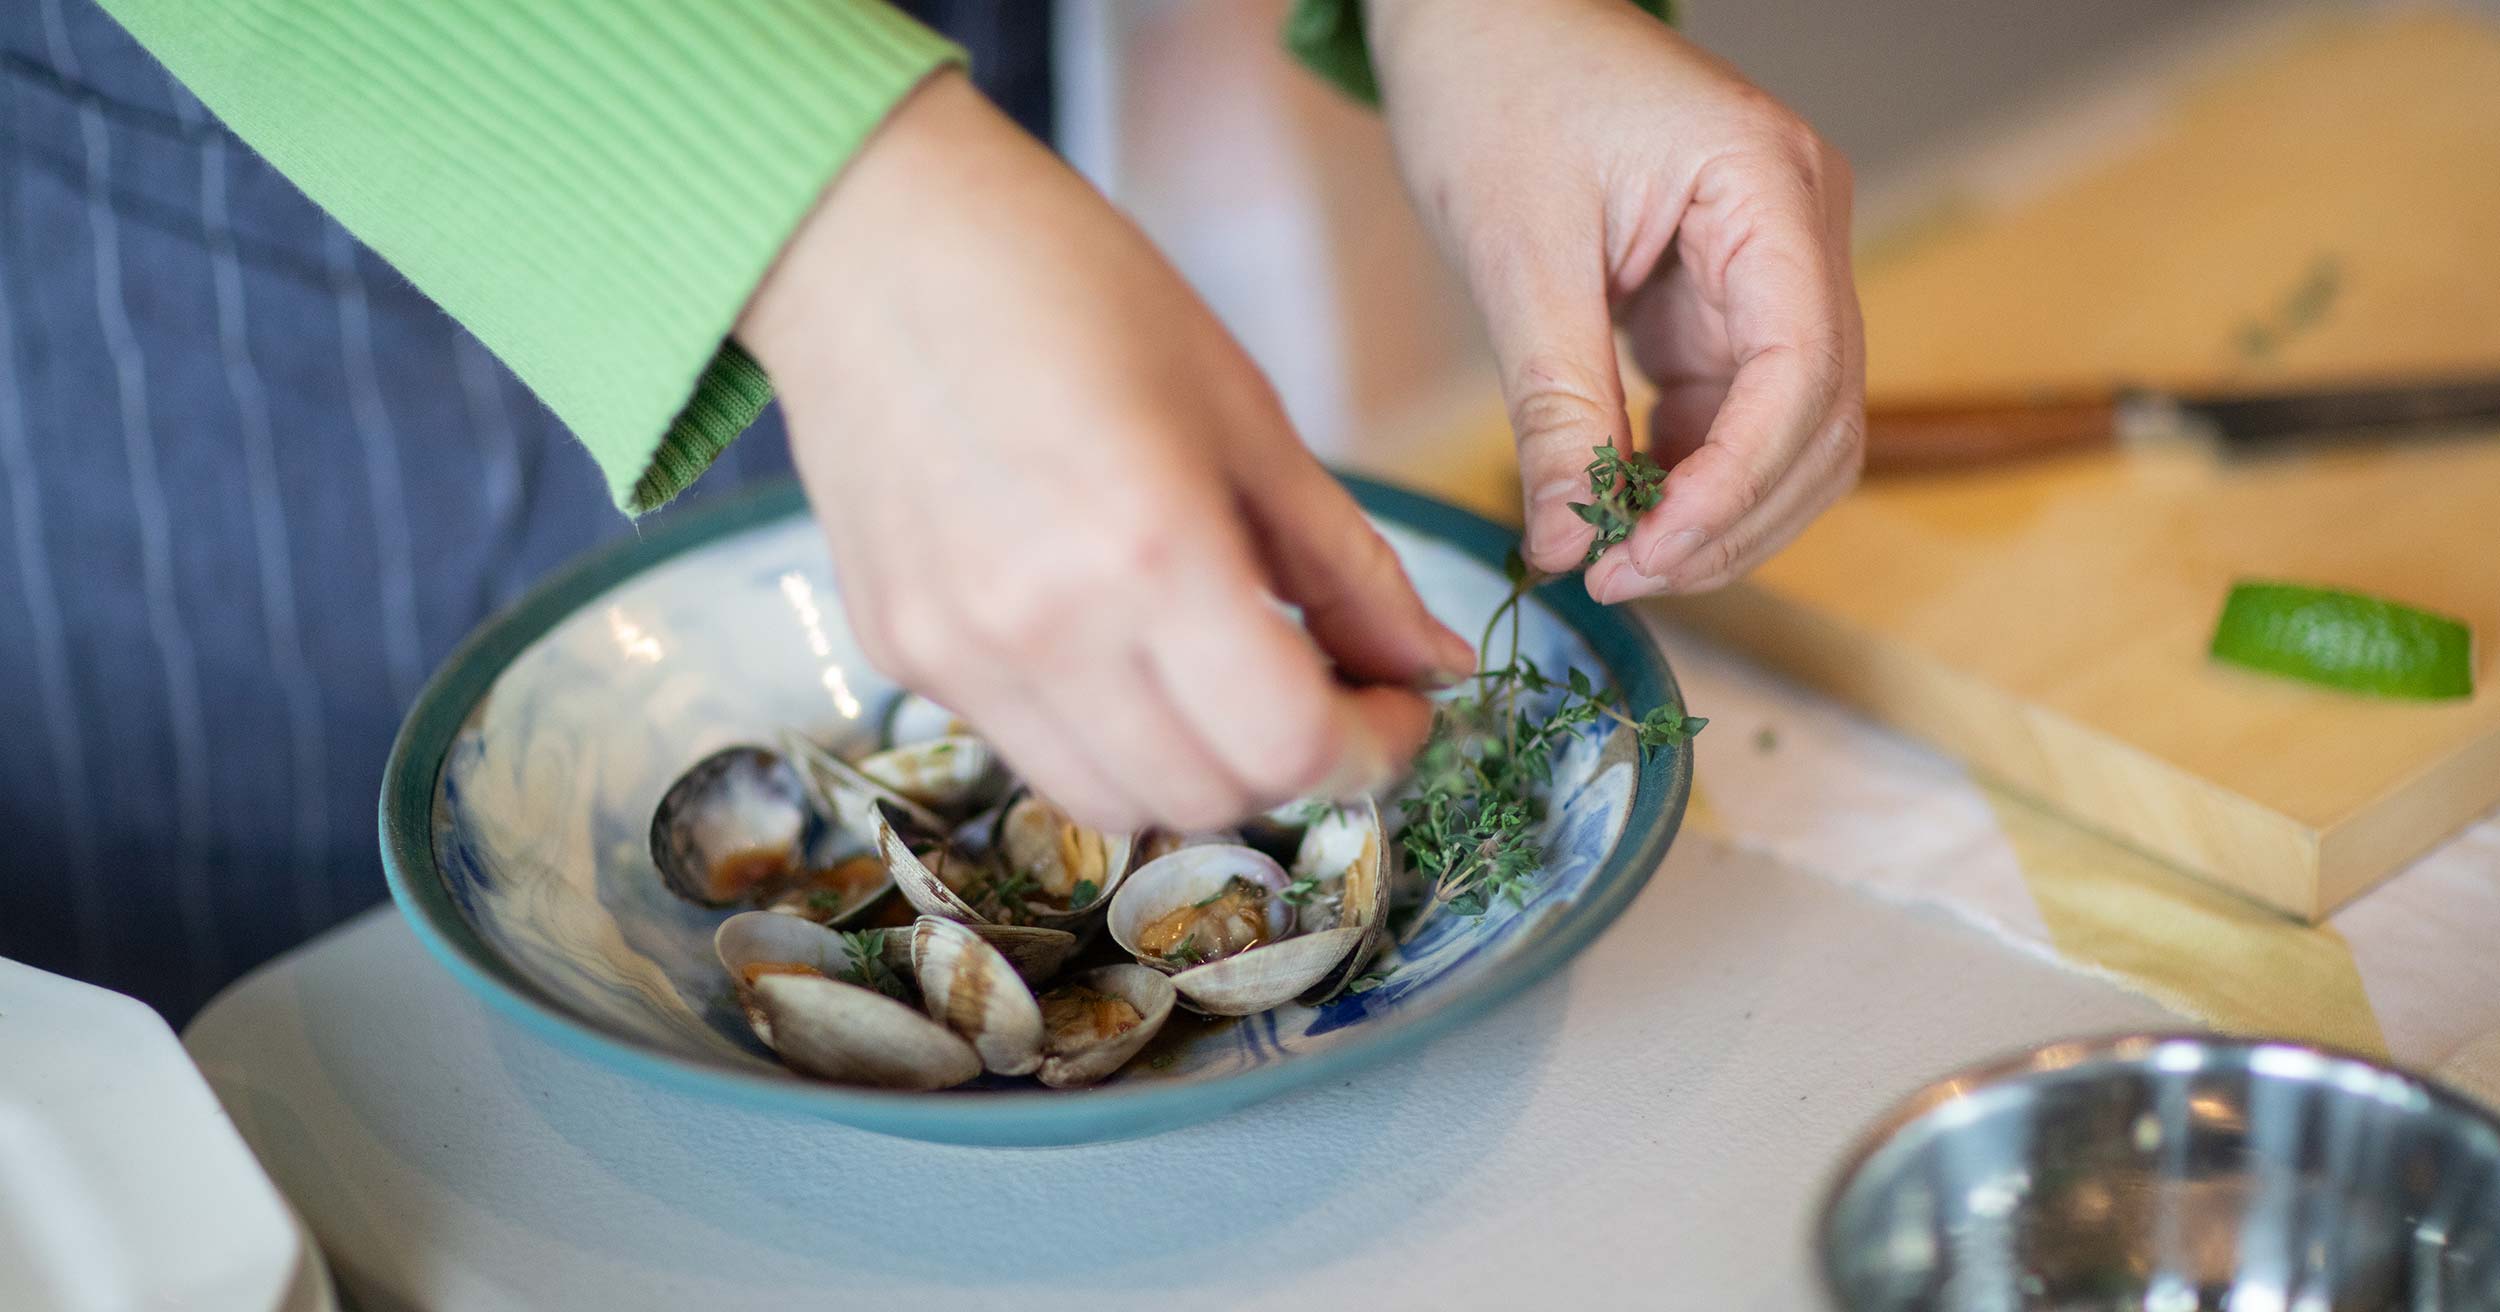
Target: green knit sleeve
1327,35
593,187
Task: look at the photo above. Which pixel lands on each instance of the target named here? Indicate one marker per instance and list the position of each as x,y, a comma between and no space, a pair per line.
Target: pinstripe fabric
499,453
186,725
395,591
307,740
254,488
63,740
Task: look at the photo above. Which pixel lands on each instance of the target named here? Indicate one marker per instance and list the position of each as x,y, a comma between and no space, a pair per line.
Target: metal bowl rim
2061,1055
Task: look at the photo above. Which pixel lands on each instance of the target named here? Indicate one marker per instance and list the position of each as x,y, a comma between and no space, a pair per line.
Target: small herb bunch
868,969
1471,814
1621,489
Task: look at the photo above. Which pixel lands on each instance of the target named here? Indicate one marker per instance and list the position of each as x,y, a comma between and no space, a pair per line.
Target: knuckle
1799,144
1031,598
1361,556
1556,403
1714,566
1747,483
1016,614
1819,363
1844,441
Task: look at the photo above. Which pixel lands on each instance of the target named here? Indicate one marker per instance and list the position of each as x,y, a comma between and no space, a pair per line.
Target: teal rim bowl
409,789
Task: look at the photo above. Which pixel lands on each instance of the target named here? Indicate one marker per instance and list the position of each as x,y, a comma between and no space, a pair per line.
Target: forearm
1338,39
593,187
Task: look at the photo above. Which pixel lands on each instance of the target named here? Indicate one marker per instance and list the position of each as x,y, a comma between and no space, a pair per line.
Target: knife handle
1911,437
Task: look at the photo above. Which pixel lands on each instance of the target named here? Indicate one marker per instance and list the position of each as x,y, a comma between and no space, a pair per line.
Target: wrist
871,220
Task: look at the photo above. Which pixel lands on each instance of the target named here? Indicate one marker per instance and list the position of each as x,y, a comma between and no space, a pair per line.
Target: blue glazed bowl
519,796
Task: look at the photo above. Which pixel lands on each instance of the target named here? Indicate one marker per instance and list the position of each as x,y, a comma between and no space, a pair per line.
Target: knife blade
1961,432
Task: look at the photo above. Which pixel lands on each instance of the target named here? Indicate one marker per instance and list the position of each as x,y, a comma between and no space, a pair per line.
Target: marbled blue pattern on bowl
532,876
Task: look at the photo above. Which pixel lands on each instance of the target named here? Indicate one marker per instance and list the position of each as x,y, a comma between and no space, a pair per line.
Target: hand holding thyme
1472,811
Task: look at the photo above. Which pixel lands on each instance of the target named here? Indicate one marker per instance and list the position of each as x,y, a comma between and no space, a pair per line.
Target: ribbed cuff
593,187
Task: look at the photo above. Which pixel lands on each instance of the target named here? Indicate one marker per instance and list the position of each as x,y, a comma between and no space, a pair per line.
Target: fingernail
1609,589
1622,583
1668,552
1454,661
1361,771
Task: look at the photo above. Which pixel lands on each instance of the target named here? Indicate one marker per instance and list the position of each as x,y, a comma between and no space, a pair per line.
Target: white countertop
1651,1128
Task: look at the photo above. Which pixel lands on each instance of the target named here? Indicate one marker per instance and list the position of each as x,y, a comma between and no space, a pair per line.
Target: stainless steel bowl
2171,1174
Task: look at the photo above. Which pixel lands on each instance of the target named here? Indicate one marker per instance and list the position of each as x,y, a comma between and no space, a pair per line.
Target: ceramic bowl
520,793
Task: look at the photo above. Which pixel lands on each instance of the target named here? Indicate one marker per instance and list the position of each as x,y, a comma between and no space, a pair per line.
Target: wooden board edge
2108,786
2414,816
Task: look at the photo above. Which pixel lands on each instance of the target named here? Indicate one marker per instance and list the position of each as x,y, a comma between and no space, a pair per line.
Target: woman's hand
1062,501
1585,166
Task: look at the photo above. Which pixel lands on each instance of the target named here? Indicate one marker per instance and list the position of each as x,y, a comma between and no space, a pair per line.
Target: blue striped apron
253,486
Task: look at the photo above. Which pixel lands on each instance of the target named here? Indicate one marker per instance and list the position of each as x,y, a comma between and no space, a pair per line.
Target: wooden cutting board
2326,205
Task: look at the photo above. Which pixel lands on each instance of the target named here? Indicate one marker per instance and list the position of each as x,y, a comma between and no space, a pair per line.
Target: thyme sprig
868,969
1471,815
1621,489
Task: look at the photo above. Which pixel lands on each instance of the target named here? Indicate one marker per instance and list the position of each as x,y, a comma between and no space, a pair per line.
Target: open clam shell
912,718
733,827
1266,977
1241,983
855,802
1071,869
1344,859
921,881
1036,951
1194,877
951,775
970,987
838,894
825,1026
1084,1039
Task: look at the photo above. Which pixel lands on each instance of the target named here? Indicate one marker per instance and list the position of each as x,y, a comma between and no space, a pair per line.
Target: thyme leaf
868,969
1470,819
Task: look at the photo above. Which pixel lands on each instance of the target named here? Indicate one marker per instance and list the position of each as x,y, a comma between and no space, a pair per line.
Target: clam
1343,863
1065,869
838,894
737,829
968,986
856,802
1036,951
936,877
1164,842
1276,831
912,718
796,982
951,775
1094,1023
1215,919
